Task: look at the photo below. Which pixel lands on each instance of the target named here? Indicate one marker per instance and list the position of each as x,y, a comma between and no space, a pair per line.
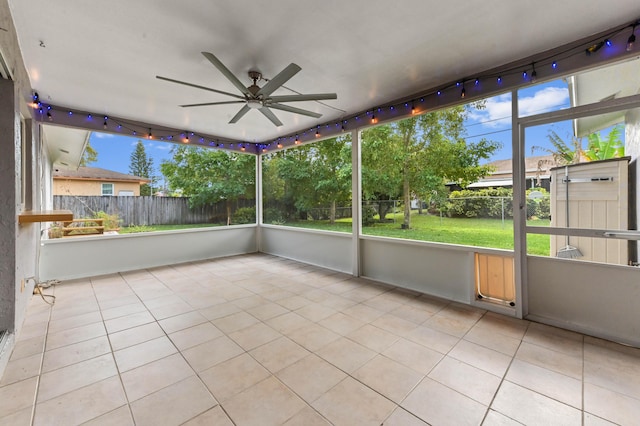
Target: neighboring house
96,181
536,170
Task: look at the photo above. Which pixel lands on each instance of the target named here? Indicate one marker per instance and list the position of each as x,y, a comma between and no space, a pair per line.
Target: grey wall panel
81,257
330,250
596,299
438,271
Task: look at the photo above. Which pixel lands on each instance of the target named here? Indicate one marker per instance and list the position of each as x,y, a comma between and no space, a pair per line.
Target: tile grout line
44,348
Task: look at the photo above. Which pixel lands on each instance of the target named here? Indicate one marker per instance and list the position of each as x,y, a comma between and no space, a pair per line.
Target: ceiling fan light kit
255,97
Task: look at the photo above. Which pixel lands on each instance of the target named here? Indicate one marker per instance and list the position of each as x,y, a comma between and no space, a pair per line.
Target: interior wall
330,250
80,257
591,298
17,243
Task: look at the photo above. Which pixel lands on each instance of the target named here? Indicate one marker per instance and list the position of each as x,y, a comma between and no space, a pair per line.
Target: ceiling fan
254,97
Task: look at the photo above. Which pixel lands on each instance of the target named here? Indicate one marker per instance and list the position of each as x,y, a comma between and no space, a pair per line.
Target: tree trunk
383,208
406,194
332,212
228,205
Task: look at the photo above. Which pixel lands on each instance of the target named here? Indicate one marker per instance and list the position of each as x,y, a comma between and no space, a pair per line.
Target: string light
631,41
534,74
373,115
594,48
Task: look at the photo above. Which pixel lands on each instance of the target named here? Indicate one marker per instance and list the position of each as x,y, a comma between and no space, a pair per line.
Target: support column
632,149
259,205
519,213
356,200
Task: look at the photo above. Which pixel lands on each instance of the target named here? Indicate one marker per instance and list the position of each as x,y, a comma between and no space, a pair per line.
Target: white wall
17,243
332,250
78,257
436,269
596,299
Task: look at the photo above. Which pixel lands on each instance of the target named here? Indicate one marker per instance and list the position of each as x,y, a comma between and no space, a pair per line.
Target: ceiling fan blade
277,81
212,103
295,110
298,98
225,71
240,114
198,87
271,116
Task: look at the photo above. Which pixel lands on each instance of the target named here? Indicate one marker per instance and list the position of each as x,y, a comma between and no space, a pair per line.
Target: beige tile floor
260,340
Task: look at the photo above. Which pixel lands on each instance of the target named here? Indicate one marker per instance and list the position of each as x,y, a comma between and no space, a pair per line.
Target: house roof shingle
96,173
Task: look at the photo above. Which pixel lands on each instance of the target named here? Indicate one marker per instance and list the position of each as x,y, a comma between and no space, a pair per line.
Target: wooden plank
32,216
98,222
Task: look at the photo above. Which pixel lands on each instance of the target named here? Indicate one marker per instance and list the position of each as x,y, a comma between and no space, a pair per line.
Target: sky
493,123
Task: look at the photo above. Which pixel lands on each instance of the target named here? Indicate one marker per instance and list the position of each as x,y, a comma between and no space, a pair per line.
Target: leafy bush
111,222
244,215
486,203
274,216
55,230
539,208
368,215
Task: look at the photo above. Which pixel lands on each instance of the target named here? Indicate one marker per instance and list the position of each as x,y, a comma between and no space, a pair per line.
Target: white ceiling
103,56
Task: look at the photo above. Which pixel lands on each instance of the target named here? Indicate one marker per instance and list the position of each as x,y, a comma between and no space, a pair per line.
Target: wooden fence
146,210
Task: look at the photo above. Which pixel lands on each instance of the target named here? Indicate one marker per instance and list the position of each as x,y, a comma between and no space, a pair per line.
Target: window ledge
31,216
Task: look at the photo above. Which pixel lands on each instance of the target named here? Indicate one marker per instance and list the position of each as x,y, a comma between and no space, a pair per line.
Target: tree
571,153
604,149
141,166
90,155
381,178
310,176
420,154
209,176
331,172
563,153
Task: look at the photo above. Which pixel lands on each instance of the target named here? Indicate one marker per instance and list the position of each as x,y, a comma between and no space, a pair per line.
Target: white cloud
497,113
103,135
163,146
543,100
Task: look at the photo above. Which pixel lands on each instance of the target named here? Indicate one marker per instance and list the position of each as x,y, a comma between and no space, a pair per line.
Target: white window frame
102,191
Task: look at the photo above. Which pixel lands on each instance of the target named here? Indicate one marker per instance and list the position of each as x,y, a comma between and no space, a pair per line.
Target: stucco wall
18,244
91,187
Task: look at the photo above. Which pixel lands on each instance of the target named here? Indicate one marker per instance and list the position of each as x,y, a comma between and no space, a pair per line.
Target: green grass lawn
472,232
